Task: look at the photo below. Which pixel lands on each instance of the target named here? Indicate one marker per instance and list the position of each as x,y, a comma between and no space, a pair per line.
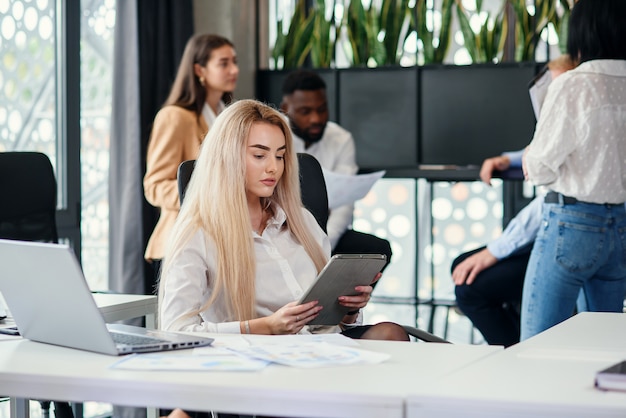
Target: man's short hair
302,80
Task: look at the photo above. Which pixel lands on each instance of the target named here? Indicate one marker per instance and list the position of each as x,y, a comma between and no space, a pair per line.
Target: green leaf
444,34
469,38
394,16
423,33
298,40
357,32
279,46
529,27
563,31
323,44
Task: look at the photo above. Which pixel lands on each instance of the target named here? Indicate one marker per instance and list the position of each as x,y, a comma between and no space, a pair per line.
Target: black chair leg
45,409
63,410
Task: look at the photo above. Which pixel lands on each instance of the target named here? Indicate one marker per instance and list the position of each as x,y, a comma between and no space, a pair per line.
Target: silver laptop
48,297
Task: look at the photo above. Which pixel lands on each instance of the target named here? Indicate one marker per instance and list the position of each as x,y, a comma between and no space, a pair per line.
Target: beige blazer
176,136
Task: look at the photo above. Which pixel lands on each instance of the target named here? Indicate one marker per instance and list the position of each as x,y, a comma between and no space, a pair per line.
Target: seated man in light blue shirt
489,280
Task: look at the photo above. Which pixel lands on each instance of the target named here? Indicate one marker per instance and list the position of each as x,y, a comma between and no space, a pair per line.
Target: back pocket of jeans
579,247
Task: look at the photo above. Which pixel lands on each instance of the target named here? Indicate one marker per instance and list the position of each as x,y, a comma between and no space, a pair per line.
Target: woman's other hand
357,301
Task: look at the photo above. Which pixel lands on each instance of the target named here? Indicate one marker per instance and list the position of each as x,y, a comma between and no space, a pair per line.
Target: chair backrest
29,196
313,188
183,176
312,185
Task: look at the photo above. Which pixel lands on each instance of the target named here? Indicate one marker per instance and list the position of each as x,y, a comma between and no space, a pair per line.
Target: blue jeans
579,246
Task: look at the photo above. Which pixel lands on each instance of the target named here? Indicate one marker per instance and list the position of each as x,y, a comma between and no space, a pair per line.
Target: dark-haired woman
207,76
579,153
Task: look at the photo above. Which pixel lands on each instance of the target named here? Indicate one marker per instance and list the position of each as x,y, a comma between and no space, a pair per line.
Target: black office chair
315,199
313,188
28,213
314,195
29,193
183,175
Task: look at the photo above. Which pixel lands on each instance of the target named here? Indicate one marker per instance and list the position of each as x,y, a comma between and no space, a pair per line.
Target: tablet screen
342,274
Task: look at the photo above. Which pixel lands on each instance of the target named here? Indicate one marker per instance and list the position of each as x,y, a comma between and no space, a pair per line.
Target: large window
39,90
27,76
96,73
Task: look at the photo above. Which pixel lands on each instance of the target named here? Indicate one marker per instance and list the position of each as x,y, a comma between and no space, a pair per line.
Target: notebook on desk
48,297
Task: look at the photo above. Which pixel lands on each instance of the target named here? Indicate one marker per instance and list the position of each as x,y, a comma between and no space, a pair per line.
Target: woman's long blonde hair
215,202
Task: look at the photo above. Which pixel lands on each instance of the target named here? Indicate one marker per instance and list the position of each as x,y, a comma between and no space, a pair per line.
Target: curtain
150,36
126,266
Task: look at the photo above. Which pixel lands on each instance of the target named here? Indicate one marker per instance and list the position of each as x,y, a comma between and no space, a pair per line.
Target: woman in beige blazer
207,76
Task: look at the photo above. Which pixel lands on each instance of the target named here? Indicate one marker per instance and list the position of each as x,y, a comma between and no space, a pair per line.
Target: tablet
340,276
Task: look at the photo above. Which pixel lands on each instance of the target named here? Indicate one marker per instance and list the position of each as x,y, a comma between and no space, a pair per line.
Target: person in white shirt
579,153
243,249
306,106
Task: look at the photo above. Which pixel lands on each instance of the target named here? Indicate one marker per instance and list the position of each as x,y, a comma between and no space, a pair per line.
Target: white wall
236,20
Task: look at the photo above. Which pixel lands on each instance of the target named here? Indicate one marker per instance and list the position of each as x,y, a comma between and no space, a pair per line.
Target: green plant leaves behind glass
435,45
295,46
325,35
488,44
528,27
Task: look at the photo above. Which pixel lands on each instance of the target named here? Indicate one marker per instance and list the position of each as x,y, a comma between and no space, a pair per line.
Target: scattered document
211,359
344,189
538,91
310,355
331,338
254,352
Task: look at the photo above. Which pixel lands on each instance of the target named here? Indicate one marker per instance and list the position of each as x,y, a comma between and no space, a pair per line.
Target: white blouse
579,147
209,115
284,272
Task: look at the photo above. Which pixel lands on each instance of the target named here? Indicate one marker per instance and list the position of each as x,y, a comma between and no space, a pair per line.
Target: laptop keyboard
131,339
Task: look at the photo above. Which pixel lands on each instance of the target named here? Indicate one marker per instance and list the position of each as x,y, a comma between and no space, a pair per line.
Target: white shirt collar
209,115
602,66
277,220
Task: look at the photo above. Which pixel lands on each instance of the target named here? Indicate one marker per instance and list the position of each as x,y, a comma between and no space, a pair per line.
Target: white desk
114,307
118,307
33,370
549,375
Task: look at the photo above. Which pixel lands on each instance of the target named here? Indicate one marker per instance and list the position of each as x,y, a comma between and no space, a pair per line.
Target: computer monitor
378,105
469,113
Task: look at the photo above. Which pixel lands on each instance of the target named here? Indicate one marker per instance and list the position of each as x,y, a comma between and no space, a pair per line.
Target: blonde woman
243,249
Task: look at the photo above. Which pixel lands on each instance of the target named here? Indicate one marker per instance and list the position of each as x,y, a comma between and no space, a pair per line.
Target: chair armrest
424,335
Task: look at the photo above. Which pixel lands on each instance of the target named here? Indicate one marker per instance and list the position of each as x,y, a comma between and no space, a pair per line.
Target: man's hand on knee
469,268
